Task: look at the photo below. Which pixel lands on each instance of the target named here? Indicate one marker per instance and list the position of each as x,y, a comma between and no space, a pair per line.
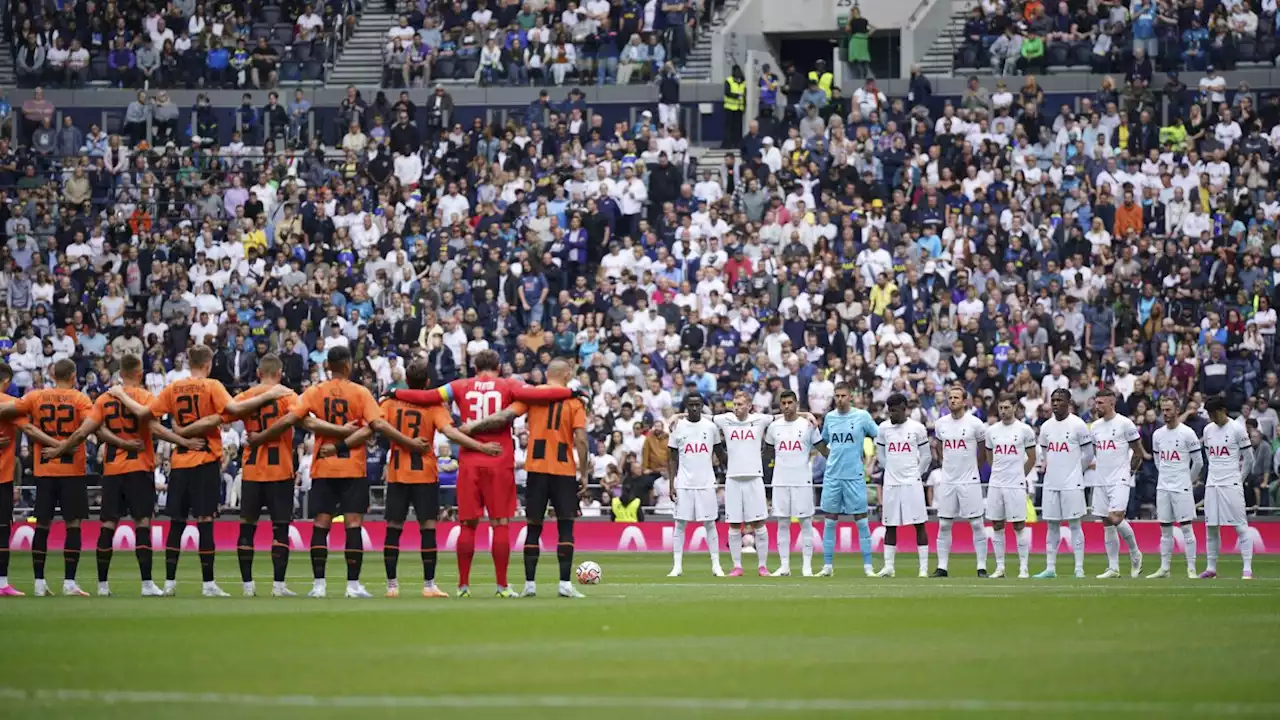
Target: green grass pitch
644,646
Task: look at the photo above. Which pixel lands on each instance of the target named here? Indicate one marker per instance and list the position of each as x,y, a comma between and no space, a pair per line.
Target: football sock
71,552
173,548
39,551
564,548
922,552
466,552
806,540
998,544
429,555
207,549
890,551
1111,538
501,551
391,551
5,529
1213,543
864,541
1053,535
532,551
944,543
244,550
105,536
979,529
762,546
784,542
735,546
713,542
1166,546
1077,543
142,552
1244,538
279,551
677,545
1125,531
1189,545
828,541
1023,539
354,553
319,551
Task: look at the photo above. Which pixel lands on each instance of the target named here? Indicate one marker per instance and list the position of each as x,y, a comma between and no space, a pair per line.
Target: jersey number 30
483,404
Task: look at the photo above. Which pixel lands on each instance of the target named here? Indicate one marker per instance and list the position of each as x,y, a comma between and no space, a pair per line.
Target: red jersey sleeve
442,395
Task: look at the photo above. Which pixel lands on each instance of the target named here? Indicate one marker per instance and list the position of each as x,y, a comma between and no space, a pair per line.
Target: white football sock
806,540
1245,540
1024,548
4,581
713,541
1053,535
1189,544
1111,539
1213,543
784,542
762,546
278,584
889,552
1077,543
979,529
1125,530
944,542
923,552
735,546
677,545
998,544
210,584
1166,546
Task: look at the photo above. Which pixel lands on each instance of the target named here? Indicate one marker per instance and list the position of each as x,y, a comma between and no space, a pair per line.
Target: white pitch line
693,705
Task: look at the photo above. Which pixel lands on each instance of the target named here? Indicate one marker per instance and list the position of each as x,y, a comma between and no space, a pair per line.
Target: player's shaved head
200,356
487,361
558,371
64,371
418,374
339,360
131,366
270,366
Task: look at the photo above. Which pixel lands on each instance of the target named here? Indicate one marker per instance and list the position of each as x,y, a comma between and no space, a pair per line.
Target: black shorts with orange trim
339,496
133,493
6,504
194,491
275,495
70,495
423,497
560,490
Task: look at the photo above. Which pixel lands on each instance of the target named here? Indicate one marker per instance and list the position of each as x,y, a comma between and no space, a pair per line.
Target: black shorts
134,493
276,496
560,490
424,497
6,505
68,494
339,496
194,491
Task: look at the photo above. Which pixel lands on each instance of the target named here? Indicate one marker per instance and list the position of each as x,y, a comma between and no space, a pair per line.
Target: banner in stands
600,536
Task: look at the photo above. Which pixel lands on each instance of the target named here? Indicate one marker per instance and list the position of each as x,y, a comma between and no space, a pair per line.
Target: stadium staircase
8,77
360,61
939,60
699,64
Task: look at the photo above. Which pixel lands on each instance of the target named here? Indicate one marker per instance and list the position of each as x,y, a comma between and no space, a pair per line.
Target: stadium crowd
999,245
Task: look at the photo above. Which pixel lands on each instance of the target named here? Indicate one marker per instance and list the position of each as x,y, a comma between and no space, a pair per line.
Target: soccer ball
589,573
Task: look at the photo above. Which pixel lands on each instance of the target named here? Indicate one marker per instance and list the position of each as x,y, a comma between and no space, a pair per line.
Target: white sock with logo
1189,545
1111,538
806,540
1213,543
944,542
1077,543
998,544
1166,546
1053,535
784,542
735,545
979,529
677,545
1244,537
889,552
762,546
1125,530
1023,539
713,542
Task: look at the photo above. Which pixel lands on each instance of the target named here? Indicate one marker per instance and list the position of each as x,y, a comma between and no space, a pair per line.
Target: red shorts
484,490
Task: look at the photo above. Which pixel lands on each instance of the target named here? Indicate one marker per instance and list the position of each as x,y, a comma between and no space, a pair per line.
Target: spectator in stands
858,53
1006,51
29,63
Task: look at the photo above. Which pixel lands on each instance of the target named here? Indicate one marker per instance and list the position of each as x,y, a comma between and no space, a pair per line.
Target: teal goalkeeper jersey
844,435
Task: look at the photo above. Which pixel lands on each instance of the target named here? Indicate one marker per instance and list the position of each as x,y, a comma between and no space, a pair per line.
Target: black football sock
71,553
532,551
173,549
564,548
244,551
319,550
39,551
279,551
142,551
105,536
5,529
207,549
391,551
354,553
429,555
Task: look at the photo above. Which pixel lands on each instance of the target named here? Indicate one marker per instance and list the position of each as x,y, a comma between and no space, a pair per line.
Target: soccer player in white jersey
1228,460
1012,444
1117,454
1067,448
793,440
1178,462
745,506
902,448
962,437
692,441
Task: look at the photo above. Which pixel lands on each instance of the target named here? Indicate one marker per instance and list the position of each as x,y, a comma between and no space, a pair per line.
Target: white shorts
1175,507
1224,505
1063,504
793,501
903,505
1110,498
1007,504
696,505
958,501
744,500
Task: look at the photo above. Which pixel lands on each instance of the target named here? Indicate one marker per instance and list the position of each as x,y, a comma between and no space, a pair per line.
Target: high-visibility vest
825,80
626,513
735,98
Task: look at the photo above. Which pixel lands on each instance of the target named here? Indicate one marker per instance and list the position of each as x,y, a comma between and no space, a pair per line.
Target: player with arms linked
844,483
692,441
902,449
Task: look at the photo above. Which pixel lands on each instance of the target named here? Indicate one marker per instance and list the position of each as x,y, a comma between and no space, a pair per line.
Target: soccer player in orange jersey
128,476
13,423
196,477
339,482
412,477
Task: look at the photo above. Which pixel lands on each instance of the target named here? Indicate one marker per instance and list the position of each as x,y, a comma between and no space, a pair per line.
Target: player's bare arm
387,430
673,467
253,404
277,429
317,426
9,411
584,469
491,449
164,433
502,418
821,448
114,440
1030,463
358,437
37,435
87,428
1136,455
200,427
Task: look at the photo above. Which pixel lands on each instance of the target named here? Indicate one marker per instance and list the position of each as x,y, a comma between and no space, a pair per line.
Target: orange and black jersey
270,461
186,401
415,421
117,418
58,413
8,454
551,428
338,402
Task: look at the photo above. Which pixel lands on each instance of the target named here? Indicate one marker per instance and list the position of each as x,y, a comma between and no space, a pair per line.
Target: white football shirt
1225,447
694,442
743,441
1173,448
792,443
1111,453
1061,443
903,451
960,440
1008,444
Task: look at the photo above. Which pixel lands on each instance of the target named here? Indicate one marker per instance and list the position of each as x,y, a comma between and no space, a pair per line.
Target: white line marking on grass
694,705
